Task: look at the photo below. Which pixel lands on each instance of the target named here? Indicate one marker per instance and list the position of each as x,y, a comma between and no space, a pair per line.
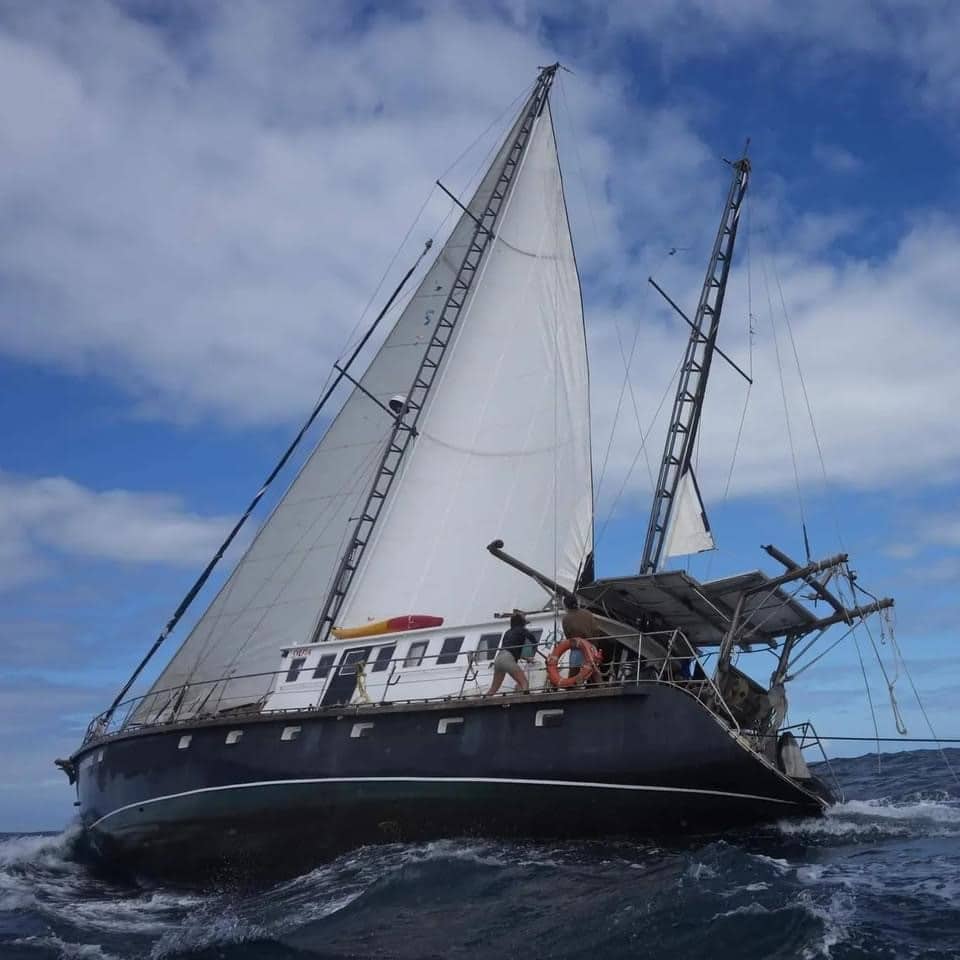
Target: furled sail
503,450
689,528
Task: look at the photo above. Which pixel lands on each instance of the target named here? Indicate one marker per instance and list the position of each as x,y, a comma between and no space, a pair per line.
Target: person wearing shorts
510,653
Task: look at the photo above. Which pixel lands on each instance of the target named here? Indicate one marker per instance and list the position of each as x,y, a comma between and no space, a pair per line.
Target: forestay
503,450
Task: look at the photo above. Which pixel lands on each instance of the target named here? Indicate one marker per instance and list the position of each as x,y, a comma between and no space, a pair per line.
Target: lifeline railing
809,738
207,699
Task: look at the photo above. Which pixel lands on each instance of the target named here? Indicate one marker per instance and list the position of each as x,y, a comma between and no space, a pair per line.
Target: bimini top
704,611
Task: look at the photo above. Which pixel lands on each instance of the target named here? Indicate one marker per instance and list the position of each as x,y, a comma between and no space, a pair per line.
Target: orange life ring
591,657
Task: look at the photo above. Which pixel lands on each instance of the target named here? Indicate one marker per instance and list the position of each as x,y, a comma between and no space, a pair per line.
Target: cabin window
416,654
451,649
295,667
487,648
324,665
384,656
349,665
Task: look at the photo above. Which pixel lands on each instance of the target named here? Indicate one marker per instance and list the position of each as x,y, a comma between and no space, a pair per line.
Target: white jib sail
503,450
689,529
504,439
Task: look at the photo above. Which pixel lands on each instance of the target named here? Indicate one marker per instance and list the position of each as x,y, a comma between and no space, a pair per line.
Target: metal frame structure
405,427
688,403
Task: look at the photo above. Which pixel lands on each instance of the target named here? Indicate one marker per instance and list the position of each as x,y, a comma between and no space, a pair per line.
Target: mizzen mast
688,403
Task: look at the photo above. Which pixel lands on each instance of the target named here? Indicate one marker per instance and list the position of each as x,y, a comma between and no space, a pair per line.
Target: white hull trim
499,780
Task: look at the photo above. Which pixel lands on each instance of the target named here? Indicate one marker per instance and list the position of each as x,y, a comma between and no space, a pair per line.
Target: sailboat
335,691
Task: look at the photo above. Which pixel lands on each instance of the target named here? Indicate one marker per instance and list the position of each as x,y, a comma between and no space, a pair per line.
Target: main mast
688,403
405,426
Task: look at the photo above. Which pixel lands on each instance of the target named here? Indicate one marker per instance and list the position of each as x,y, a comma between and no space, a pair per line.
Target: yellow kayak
412,621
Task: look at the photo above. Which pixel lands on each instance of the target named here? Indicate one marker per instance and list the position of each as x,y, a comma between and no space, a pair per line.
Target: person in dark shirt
511,651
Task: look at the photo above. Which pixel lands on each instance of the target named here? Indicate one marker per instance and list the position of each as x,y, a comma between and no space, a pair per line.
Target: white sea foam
35,849
752,909
881,818
65,950
835,916
937,811
206,929
781,866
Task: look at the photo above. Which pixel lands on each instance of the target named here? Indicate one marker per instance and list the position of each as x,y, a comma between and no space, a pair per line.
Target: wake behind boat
337,691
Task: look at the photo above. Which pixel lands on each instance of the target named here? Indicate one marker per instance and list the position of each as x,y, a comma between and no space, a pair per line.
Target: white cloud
202,221
55,514
836,158
917,35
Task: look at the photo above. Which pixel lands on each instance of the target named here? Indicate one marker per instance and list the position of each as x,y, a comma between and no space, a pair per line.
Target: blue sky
198,201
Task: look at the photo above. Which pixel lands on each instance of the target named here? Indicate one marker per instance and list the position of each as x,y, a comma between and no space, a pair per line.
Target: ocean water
878,877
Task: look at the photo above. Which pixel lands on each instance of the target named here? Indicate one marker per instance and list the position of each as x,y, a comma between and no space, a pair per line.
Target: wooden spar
806,574
496,548
848,614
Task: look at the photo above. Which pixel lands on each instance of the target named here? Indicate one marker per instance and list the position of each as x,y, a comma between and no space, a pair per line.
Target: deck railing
209,699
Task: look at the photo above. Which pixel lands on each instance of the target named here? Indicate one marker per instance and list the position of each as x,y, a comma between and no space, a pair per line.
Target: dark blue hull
646,760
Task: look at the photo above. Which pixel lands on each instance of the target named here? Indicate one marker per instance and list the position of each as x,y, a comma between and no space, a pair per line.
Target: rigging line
576,149
326,516
819,656
353,484
509,109
628,363
786,409
806,400
205,575
627,383
643,440
923,710
811,642
894,706
789,598
824,736
425,203
746,401
866,686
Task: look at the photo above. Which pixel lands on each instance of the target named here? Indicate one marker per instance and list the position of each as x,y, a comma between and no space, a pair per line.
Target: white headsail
503,450
504,444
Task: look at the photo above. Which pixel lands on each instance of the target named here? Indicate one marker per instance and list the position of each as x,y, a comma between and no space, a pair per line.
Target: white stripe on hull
504,780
